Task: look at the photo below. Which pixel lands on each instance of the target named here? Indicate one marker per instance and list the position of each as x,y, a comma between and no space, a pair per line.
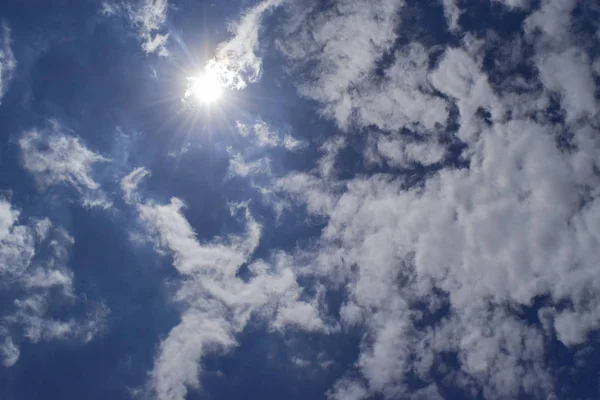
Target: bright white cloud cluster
33,269
474,245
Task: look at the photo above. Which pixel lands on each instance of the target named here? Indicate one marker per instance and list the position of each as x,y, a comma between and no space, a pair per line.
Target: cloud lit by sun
206,88
209,86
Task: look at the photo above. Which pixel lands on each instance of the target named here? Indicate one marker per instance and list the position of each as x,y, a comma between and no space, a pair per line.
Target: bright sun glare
207,88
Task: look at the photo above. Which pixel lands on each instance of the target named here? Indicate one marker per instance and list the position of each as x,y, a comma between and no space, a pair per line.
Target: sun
206,88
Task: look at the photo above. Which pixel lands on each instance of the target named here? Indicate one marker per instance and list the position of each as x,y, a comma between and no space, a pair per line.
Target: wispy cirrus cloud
129,184
148,17
8,62
236,60
54,156
39,283
217,303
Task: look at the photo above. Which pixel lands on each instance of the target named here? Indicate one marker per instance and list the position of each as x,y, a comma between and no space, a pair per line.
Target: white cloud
452,13
472,244
263,132
240,167
8,63
330,149
217,304
42,281
148,17
404,98
515,4
54,156
401,152
292,144
236,60
569,73
493,237
130,183
9,352
348,389
518,223
344,42
552,20
267,136
459,76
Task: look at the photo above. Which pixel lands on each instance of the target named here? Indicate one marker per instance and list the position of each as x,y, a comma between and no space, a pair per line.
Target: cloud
33,268
348,389
148,17
292,144
444,268
550,24
452,13
404,98
239,167
448,266
344,43
266,136
493,238
130,183
398,151
54,157
236,61
217,304
459,75
9,352
8,62
569,73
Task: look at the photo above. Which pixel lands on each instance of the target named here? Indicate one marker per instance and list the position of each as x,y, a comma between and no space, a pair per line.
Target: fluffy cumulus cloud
345,42
148,17
55,156
34,272
442,275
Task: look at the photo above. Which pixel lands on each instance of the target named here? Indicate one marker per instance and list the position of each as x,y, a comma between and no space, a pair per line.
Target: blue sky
343,200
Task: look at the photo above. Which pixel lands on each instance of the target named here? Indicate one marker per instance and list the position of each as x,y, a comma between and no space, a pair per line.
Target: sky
299,199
